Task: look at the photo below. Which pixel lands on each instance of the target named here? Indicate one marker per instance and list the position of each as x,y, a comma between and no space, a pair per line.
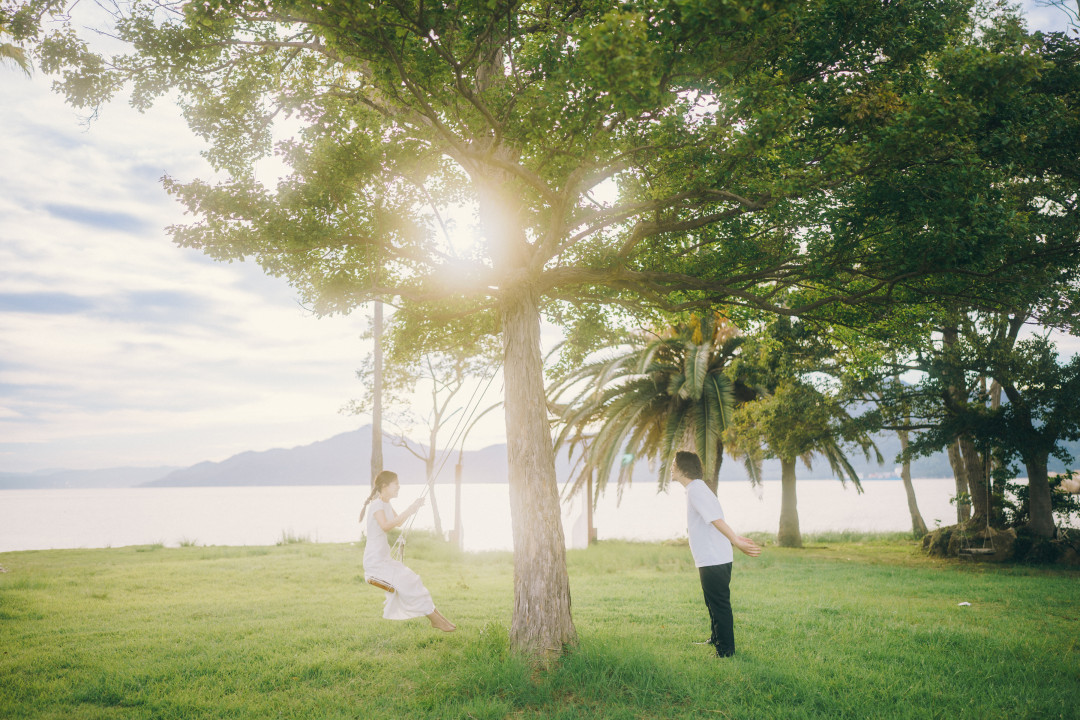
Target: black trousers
716,584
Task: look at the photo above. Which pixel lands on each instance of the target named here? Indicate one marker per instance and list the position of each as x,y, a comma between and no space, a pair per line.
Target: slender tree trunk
458,533
433,454
955,400
1040,509
541,624
992,393
430,465
376,406
963,509
997,492
976,477
918,526
788,535
589,509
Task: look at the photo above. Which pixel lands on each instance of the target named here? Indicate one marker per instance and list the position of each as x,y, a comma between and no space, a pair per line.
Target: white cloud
116,346
1048,16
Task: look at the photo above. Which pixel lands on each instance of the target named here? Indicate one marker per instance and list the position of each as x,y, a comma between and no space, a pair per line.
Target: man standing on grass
711,540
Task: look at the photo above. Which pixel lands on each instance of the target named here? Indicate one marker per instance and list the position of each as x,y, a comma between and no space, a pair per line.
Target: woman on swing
408,598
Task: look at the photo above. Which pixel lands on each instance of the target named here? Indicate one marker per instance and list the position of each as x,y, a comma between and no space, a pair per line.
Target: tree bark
788,535
976,479
433,455
963,509
955,398
997,491
918,525
1040,508
458,536
589,510
376,405
713,481
541,624
430,465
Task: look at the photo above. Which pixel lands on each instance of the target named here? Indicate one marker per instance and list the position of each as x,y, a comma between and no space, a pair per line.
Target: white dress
410,599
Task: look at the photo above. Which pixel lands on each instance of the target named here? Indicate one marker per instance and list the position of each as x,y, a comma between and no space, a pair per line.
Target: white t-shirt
707,544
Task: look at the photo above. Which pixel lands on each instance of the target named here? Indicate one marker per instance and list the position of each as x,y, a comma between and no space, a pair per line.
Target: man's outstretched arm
745,544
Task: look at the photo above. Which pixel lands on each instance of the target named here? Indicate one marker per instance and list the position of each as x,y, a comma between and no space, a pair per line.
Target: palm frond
697,369
644,402
644,358
16,55
840,464
721,391
752,463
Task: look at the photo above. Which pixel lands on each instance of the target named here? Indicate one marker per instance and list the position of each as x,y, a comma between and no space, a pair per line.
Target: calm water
43,519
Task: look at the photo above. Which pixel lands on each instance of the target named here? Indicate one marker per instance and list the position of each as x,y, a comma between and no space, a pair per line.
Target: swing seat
380,583
977,551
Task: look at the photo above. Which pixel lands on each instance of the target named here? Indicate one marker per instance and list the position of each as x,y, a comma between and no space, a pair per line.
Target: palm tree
662,394
793,422
12,53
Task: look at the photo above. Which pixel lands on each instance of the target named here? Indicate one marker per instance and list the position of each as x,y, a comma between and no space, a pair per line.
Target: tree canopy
728,129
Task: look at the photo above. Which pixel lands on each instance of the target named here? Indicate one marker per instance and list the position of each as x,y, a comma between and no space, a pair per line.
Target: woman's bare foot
440,622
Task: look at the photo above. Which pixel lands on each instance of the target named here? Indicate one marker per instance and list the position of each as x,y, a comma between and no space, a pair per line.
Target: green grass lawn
842,629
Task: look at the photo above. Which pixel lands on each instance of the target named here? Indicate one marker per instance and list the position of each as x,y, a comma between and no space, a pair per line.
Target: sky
120,349
117,348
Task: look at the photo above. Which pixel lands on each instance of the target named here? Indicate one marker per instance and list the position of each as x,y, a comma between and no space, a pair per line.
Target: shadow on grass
596,679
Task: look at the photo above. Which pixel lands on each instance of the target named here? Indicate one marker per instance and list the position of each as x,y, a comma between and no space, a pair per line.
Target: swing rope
989,504
398,551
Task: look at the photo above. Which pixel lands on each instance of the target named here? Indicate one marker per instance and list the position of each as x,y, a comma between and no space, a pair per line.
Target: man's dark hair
689,464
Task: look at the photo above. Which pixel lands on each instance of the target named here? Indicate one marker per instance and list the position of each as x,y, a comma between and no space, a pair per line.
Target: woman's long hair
381,480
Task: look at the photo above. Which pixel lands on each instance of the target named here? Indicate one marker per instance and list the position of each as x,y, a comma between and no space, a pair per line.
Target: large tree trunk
788,535
1041,516
541,623
1040,508
976,479
963,509
918,525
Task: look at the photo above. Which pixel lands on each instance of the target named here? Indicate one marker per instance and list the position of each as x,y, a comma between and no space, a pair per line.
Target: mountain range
75,479
345,459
